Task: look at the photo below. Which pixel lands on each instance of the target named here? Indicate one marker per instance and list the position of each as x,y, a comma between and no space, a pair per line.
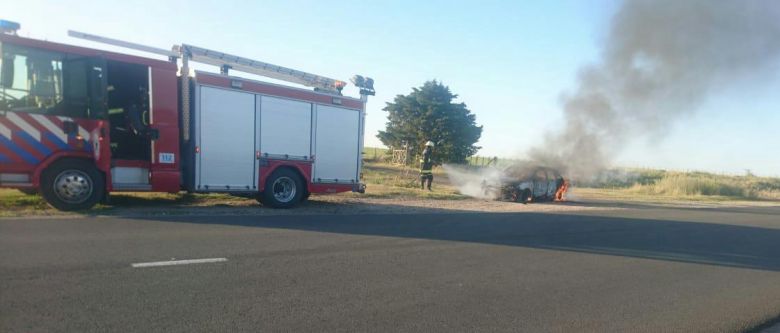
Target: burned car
527,184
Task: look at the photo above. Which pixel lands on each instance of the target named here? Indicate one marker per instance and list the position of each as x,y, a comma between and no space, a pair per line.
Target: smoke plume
660,61
472,182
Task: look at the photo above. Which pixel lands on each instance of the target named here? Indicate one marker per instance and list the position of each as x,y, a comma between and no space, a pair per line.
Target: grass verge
15,203
696,185
386,181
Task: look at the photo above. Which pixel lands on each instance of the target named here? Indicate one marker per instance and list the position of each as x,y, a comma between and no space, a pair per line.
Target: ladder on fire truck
225,62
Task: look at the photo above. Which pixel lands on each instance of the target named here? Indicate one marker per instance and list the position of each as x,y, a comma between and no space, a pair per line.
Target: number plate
167,158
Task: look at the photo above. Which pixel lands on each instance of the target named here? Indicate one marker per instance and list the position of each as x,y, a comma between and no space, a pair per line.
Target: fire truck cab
78,123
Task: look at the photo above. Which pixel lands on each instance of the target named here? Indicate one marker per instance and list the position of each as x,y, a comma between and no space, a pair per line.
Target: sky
509,61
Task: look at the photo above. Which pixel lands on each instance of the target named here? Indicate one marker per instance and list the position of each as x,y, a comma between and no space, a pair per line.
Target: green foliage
429,113
12,198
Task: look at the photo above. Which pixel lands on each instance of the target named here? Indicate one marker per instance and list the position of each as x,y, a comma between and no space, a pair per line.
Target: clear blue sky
509,62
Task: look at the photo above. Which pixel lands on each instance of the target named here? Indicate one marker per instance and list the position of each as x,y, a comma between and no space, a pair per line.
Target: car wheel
283,189
70,185
527,196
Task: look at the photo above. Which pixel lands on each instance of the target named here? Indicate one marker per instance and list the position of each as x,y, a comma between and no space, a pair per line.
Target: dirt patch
337,205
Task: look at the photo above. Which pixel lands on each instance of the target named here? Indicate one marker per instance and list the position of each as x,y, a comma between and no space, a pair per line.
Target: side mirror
7,75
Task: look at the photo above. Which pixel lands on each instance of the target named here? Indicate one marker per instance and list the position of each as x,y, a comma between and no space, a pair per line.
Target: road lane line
177,262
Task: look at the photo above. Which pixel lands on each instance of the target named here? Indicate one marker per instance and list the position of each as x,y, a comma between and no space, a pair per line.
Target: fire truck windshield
39,81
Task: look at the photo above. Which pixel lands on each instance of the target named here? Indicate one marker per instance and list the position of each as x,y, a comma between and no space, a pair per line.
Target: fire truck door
226,140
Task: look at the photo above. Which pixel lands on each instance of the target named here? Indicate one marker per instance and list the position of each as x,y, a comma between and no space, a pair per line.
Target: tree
428,113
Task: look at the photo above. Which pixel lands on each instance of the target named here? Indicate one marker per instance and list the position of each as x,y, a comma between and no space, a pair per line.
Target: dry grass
373,154
388,181
692,184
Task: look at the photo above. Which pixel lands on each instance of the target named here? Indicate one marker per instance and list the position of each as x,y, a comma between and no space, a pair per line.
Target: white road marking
177,262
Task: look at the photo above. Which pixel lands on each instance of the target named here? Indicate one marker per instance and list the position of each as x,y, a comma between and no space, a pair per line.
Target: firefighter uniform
426,166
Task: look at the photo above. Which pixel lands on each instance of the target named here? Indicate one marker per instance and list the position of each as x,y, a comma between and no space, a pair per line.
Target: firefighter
426,166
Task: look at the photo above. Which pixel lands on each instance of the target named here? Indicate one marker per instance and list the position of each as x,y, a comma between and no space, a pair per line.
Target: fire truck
78,123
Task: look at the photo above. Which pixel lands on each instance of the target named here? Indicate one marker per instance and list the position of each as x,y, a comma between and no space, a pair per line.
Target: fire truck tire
72,184
283,189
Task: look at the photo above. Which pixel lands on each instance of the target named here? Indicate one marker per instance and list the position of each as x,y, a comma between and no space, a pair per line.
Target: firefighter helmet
429,144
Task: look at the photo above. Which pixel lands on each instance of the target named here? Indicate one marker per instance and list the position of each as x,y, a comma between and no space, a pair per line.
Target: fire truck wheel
72,185
283,189
305,196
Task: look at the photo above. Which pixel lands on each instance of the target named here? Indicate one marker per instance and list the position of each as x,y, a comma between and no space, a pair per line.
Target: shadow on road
682,241
773,209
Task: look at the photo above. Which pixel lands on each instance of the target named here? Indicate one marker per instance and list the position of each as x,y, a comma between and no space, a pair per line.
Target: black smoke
661,59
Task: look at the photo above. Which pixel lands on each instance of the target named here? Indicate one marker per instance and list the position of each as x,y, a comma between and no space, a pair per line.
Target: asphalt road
635,269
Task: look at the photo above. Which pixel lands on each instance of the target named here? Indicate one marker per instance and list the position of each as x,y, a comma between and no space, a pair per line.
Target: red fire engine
77,123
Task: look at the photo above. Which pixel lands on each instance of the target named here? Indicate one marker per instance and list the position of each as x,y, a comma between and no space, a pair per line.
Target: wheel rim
73,186
284,189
